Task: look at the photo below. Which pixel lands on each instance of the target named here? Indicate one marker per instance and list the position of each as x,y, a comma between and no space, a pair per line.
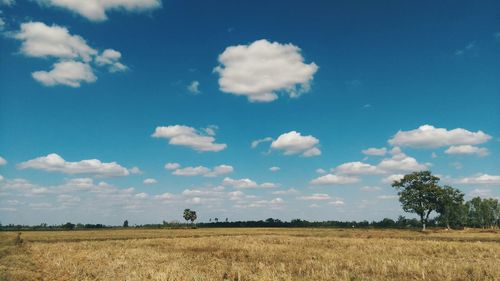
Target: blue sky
134,85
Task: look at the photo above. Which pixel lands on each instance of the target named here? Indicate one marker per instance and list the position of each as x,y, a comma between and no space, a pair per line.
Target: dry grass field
251,254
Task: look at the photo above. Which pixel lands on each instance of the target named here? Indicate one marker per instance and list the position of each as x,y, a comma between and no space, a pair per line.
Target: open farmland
251,254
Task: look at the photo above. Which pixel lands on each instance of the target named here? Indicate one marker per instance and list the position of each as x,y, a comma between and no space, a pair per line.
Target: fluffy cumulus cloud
295,143
190,137
375,151
95,10
40,40
2,161
400,162
262,69
74,56
272,169
172,166
428,136
111,59
480,179
69,73
246,183
467,149
150,181
356,168
332,179
55,163
392,178
396,165
199,170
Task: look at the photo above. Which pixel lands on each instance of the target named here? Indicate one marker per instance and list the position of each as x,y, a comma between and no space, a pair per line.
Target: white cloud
240,183
164,197
356,168
286,192
375,151
200,170
135,171
191,171
111,59
387,197
268,185
72,52
207,193
172,166
274,169
95,10
41,40
246,183
255,143
480,192
69,73
392,178
194,87
316,197
467,149
220,170
262,69
337,202
334,179
66,199
480,179
55,163
150,181
294,143
400,163
428,136
320,171
188,136
370,188
2,161
141,195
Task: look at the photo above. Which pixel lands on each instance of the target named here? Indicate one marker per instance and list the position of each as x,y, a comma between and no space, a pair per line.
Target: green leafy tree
418,193
483,212
193,216
187,214
451,206
125,223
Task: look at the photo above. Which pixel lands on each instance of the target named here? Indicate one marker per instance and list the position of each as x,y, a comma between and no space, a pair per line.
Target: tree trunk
423,226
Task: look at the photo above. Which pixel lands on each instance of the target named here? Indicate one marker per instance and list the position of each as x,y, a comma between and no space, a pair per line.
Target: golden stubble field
251,254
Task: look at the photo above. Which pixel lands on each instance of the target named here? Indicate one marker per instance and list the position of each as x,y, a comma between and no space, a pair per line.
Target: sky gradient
115,110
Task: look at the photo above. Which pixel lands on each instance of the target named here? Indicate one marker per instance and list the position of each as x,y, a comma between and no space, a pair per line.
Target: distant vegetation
418,192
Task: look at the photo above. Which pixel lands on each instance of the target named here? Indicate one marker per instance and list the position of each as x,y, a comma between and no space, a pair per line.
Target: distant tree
193,216
227,220
418,193
187,214
483,212
216,220
451,206
68,226
125,223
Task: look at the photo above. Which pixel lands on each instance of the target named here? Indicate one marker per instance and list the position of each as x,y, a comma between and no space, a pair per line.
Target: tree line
419,193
